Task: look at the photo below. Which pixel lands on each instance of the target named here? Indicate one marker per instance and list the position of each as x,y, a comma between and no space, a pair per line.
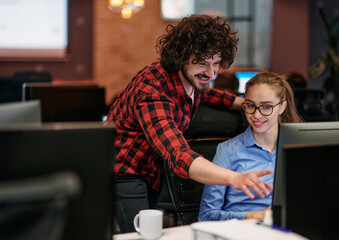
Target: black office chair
309,103
31,77
36,208
212,122
185,194
210,126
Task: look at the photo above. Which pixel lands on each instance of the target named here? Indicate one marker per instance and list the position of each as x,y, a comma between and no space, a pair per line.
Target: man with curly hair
156,108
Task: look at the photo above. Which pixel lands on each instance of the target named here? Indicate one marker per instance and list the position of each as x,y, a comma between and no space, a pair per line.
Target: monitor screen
243,77
20,112
175,9
84,148
311,133
312,190
32,29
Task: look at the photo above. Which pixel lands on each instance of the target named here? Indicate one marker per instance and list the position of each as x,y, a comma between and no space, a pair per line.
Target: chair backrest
209,127
309,103
308,99
36,208
186,193
211,122
11,87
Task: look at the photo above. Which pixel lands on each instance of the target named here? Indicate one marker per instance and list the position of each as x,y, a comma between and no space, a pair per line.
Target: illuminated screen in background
33,28
243,78
176,9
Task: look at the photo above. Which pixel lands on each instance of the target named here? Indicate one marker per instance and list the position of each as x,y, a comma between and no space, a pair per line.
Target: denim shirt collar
249,140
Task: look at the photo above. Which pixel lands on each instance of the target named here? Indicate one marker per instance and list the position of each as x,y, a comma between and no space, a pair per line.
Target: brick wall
123,46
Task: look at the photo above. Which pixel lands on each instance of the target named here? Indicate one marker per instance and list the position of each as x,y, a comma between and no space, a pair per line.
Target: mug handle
136,223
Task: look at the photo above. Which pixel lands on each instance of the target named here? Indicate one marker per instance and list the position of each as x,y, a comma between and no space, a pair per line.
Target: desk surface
232,229
181,232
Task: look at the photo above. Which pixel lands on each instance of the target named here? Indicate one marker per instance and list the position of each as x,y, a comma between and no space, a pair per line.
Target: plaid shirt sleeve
155,115
218,97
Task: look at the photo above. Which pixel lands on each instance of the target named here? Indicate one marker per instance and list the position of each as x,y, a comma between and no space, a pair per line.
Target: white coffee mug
149,223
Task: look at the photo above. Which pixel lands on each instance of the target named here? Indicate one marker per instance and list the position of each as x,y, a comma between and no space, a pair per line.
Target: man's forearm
204,171
237,104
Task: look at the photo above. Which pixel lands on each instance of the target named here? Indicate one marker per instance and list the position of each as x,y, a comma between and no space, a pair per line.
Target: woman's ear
282,107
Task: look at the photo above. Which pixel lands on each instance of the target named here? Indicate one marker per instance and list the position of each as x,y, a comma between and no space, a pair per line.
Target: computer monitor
310,134
243,77
312,190
20,112
68,102
84,148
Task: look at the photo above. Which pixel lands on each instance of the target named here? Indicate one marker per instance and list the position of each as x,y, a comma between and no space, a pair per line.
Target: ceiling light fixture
126,7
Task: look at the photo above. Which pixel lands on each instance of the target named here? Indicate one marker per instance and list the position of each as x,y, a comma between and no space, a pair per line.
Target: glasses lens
266,110
249,108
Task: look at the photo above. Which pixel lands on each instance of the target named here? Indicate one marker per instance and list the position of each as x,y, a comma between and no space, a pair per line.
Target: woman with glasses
268,101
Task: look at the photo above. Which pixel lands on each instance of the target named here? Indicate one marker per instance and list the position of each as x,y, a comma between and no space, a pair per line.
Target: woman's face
263,95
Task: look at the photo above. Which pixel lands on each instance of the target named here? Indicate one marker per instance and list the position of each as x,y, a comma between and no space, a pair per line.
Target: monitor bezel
297,134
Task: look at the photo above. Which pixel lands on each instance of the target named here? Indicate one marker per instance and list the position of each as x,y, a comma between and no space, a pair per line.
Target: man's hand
204,171
243,181
259,215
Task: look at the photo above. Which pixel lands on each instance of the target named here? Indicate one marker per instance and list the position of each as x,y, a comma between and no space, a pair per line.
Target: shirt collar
175,85
249,139
178,86
173,81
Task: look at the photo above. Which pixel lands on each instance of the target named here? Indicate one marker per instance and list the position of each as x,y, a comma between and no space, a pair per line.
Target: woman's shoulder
231,146
234,140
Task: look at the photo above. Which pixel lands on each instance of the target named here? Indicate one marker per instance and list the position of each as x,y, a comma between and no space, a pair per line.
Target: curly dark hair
201,35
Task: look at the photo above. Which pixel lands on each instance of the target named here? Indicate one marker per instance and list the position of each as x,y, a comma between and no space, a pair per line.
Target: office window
250,18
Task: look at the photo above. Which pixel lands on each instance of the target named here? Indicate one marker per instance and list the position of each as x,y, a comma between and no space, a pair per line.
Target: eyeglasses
265,110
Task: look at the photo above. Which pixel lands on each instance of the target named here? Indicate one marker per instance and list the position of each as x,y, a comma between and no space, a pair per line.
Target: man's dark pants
133,194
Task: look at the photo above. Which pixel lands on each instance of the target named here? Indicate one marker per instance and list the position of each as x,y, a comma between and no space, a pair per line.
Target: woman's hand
259,215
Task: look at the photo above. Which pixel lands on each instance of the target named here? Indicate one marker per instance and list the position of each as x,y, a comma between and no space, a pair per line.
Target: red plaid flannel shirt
150,115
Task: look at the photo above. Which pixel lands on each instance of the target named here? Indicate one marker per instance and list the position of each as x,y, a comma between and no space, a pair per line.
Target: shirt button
270,164
270,196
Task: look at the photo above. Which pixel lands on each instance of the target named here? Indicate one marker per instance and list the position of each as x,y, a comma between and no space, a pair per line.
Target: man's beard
202,88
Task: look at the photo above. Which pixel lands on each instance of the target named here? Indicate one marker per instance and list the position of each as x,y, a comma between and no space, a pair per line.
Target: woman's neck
267,139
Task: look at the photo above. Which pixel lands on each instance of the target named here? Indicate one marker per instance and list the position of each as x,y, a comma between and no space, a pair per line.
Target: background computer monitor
68,102
312,133
84,148
20,112
312,190
243,77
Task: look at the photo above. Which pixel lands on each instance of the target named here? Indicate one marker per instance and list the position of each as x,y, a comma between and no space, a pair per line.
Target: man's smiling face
199,74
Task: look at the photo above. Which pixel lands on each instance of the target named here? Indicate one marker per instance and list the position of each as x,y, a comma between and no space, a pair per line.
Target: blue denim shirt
241,154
